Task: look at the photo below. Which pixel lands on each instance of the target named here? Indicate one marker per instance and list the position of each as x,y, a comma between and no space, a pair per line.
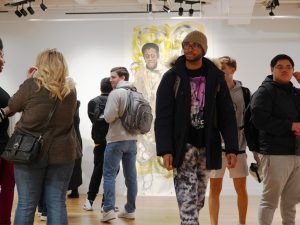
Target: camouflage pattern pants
190,181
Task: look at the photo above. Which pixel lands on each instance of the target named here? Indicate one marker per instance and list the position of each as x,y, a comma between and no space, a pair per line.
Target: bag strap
50,116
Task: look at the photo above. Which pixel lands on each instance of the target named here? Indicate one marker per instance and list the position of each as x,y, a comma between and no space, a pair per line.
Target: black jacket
96,108
173,115
274,109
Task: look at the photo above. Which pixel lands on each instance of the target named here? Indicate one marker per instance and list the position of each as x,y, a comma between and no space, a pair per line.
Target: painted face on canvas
151,57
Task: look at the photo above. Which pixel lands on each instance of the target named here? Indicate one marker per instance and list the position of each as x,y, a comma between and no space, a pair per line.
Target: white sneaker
126,215
88,205
116,209
43,216
107,216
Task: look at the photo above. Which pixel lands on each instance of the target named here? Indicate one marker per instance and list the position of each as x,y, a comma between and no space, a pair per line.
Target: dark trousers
7,183
97,172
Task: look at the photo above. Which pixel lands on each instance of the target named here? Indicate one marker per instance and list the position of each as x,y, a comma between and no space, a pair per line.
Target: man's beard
195,59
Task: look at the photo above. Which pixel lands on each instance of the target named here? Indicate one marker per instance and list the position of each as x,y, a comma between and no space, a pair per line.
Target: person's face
114,79
2,61
192,51
228,71
282,71
151,57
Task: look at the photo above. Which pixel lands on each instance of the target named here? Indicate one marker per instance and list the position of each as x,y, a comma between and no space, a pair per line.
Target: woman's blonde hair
53,73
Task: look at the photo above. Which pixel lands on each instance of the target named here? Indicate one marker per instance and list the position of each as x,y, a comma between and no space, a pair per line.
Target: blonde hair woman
52,170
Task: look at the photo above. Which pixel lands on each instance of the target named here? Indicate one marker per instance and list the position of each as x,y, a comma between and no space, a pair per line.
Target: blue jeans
114,153
30,181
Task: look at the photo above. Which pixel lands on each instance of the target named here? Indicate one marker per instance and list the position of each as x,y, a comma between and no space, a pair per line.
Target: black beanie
105,85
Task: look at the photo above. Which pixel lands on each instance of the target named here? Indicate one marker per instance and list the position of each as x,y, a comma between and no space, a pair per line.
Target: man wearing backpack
193,106
121,146
276,114
99,130
241,97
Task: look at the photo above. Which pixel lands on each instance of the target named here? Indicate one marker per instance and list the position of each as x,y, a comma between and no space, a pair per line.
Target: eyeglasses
186,45
280,67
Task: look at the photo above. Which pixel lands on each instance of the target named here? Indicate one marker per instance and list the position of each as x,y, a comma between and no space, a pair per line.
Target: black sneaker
74,194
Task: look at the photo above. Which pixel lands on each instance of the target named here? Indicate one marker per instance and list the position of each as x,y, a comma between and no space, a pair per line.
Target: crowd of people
199,132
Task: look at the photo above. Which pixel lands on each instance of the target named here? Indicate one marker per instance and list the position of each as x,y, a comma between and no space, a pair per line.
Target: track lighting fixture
149,7
271,13
166,8
191,11
17,12
30,9
43,6
180,10
23,11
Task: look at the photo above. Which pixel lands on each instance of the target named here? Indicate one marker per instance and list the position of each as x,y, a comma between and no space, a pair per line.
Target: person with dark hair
96,108
121,146
240,96
276,114
193,106
7,181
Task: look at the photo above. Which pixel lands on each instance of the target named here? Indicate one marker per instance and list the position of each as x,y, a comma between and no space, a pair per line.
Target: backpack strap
246,96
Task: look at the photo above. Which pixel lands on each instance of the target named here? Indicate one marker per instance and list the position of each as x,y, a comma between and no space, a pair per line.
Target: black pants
97,172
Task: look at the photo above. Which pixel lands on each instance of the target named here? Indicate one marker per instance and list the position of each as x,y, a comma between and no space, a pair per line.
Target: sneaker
126,215
116,209
74,194
107,216
43,216
88,205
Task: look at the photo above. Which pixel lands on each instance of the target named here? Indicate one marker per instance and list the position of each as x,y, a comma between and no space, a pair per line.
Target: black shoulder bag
24,147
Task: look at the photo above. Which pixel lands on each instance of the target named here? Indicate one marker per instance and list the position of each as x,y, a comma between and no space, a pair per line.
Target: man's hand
168,161
296,126
231,160
256,158
297,76
2,115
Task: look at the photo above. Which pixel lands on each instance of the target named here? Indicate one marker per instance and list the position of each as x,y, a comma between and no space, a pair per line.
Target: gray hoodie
114,109
239,107
237,97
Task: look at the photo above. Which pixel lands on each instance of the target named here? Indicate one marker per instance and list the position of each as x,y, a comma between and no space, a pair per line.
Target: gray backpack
137,117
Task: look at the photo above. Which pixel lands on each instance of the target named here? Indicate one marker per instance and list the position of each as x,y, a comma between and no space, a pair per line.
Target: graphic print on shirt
198,101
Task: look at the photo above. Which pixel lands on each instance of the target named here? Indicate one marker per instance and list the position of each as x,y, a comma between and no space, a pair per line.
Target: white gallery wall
92,48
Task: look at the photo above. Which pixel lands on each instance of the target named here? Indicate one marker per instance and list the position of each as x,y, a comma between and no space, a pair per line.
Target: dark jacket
96,108
76,178
4,97
274,109
173,115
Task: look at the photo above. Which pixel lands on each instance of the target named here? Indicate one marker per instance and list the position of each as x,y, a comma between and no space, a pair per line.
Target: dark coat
4,97
76,178
274,109
173,115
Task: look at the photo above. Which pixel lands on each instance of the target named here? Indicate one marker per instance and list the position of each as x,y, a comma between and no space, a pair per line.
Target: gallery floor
162,211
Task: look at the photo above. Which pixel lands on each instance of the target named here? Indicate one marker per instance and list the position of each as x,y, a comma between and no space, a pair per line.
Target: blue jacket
173,115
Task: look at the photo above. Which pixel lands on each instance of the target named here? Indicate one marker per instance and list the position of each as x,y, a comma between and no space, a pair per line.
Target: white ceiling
235,11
